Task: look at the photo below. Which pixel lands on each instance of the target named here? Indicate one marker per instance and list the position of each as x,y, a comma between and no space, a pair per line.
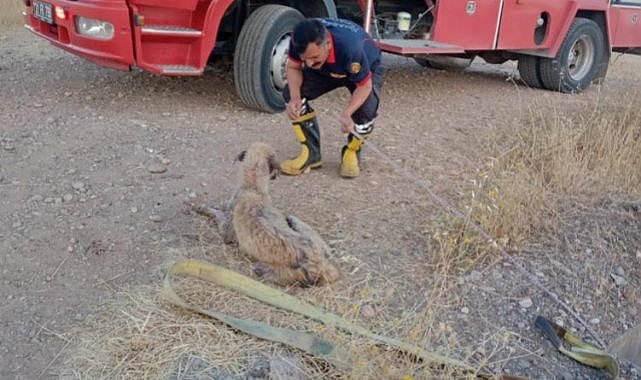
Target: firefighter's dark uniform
353,59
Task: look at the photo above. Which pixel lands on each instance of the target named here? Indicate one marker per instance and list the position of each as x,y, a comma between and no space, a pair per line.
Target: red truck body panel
116,53
177,36
519,17
456,23
625,24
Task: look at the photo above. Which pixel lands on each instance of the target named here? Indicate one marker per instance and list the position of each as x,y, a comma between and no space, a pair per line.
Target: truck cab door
470,24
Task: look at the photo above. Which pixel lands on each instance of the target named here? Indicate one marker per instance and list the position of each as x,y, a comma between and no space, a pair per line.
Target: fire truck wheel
579,60
529,70
445,62
260,57
429,64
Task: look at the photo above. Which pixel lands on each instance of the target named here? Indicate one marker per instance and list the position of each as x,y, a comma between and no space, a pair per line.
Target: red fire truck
561,45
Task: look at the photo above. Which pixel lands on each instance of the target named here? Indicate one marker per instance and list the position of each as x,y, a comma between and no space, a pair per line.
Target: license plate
43,11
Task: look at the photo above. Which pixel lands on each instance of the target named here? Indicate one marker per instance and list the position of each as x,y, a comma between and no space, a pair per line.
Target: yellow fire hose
304,341
580,351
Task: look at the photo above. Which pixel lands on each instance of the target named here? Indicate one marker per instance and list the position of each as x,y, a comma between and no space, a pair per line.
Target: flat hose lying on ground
304,341
580,351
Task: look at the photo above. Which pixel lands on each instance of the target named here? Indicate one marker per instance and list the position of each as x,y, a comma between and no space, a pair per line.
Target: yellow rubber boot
350,156
308,134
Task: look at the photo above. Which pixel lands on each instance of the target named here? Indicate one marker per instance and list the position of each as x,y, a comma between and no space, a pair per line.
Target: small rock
9,147
67,94
526,303
165,161
465,310
78,185
48,200
37,198
630,294
595,321
157,168
67,197
639,255
618,280
619,271
368,312
192,195
474,276
285,367
155,218
133,210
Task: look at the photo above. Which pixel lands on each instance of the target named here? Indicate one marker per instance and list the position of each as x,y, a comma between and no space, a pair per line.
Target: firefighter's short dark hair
308,31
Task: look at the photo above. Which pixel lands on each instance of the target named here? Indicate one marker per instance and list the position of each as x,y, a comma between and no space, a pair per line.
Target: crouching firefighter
325,54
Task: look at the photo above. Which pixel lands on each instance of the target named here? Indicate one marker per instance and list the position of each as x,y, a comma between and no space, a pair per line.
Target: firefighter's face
316,54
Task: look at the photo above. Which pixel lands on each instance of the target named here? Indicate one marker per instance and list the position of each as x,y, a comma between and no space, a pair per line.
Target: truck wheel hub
279,62
580,58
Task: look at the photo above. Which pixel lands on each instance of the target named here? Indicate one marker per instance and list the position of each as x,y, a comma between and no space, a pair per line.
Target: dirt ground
95,166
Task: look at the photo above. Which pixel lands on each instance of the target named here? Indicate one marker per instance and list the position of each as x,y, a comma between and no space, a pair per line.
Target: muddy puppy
287,250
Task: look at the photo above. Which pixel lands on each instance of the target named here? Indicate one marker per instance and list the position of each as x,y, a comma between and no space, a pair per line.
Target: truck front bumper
60,29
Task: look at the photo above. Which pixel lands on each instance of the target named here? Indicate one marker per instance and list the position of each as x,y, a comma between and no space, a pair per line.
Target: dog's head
261,154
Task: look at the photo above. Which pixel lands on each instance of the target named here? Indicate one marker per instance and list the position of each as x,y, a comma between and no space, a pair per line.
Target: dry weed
144,337
550,160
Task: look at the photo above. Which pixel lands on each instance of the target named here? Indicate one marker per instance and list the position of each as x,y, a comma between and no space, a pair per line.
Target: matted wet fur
287,250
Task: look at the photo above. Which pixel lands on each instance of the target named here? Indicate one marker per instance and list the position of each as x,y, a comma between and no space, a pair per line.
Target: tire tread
250,48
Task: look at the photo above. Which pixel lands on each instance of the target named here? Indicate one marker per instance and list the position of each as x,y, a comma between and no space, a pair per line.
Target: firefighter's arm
359,96
294,81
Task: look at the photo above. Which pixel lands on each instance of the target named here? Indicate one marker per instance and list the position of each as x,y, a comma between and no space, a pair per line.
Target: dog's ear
274,166
241,156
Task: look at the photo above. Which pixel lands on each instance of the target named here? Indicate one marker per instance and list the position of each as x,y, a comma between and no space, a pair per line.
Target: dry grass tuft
144,337
553,160
11,14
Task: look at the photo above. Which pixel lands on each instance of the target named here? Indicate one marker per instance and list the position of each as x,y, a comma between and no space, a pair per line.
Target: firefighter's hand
293,108
347,124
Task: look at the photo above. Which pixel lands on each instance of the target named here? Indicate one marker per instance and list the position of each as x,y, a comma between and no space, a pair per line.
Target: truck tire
445,62
578,61
260,57
429,64
529,70
603,67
